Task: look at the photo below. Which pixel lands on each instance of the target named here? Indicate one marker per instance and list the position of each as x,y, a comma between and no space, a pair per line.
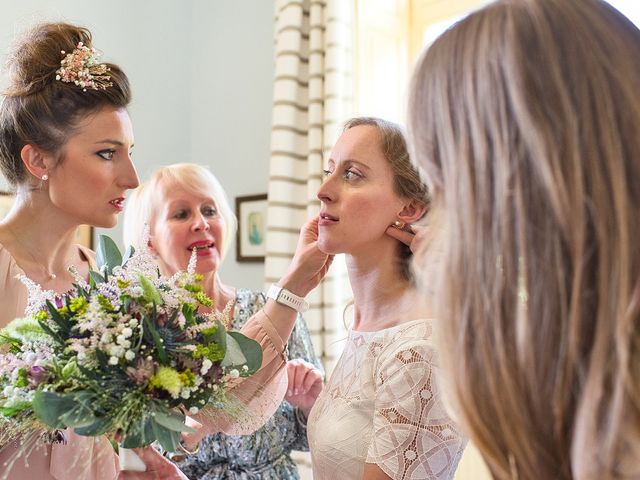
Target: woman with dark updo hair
65,149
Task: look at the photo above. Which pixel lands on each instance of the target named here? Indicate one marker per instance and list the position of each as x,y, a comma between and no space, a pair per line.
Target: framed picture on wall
251,211
84,233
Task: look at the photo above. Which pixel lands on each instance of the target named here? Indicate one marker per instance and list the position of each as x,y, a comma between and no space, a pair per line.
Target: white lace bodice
382,405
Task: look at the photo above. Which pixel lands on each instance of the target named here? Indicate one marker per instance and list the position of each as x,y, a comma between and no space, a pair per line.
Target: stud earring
45,177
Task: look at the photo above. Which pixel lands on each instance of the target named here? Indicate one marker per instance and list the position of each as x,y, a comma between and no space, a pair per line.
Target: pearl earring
45,177
399,225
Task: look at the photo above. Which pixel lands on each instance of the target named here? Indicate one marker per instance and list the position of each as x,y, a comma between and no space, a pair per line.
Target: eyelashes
184,214
348,174
106,154
109,153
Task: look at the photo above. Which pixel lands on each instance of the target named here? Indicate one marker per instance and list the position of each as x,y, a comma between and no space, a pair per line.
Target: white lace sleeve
413,437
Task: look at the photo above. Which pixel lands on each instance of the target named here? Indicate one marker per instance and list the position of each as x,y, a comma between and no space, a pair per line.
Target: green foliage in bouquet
125,354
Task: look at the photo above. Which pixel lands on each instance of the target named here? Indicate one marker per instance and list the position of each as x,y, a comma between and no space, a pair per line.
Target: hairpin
81,67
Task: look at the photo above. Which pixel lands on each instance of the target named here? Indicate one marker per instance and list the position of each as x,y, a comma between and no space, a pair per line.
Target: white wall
232,92
201,73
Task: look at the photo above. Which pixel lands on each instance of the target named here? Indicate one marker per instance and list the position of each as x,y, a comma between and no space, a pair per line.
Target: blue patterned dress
264,455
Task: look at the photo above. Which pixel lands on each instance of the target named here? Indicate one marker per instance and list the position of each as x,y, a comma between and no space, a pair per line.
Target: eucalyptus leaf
81,413
50,407
128,253
233,356
250,349
108,253
99,426
168,438
96,277
219,337
172,421
140,434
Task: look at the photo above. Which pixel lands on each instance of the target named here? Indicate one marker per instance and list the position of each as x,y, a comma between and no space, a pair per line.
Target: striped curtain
313,96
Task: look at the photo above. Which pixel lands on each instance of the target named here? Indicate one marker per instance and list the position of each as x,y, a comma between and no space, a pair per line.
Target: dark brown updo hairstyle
406,178
39,110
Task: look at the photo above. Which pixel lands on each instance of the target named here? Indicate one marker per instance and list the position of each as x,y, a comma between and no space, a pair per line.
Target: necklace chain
48,273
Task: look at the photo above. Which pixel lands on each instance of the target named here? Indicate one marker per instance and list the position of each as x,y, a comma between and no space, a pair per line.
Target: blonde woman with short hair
186,209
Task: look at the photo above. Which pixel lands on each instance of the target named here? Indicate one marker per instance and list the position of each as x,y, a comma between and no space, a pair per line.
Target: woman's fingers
309,264
402,235
411,238
312,378
302,376
291,373
297,373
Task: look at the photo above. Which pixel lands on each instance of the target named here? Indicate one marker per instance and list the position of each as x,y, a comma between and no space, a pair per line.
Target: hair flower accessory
82,68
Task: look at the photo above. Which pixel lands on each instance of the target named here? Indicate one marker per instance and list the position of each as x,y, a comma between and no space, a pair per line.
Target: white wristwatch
285,297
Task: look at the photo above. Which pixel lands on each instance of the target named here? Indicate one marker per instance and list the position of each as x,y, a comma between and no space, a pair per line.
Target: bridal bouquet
124,354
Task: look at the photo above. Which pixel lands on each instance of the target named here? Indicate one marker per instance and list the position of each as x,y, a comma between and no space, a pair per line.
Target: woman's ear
37,162
151,248
412,212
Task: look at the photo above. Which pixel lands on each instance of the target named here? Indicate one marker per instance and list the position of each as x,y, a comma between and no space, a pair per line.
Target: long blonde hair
525,121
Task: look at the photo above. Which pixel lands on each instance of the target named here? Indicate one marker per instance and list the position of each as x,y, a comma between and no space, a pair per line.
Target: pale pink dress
87,458
82,457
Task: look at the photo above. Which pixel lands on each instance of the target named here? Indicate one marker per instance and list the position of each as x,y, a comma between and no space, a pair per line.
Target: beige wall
472,466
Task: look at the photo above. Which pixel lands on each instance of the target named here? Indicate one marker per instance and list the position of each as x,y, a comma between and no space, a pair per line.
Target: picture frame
251,211
84,233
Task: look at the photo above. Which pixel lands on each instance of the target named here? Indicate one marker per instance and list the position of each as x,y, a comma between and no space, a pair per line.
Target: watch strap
285,297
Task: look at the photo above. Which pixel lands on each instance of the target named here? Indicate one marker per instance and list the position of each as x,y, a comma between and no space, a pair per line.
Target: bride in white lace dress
381,414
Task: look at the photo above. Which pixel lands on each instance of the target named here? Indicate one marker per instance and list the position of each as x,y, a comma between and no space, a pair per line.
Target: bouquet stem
130,461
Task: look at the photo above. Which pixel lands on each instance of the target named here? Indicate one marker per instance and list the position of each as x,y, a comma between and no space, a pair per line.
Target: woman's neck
220,293
382,297
41,241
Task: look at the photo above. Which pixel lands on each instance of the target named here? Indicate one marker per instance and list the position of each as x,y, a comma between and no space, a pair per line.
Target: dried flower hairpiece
82,68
